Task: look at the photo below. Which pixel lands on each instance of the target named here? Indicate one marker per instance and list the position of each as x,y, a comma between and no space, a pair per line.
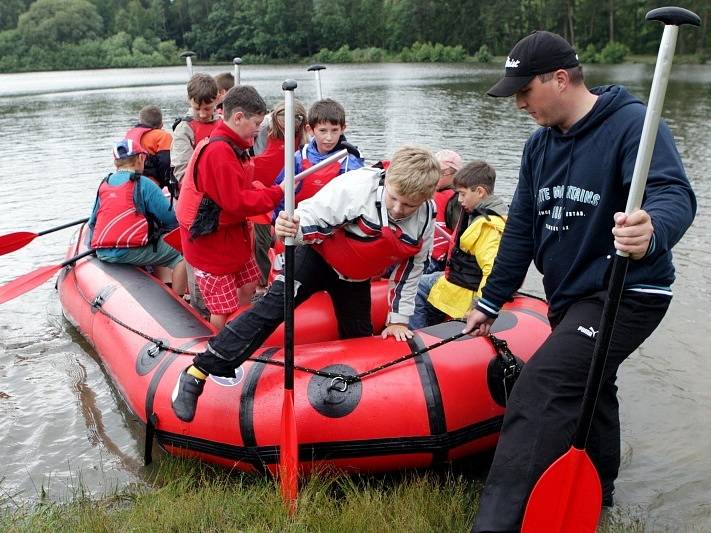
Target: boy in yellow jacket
471,256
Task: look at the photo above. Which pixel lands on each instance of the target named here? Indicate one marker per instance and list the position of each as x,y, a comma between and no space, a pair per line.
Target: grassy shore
184,496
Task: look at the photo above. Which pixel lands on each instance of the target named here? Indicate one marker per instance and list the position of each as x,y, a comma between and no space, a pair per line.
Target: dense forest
71,34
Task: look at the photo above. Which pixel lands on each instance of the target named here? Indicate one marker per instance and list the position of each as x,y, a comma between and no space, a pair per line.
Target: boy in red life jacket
447,208
197,125
268,164
327,124
225,81
217,196
476,241
155,141
354,227
130,214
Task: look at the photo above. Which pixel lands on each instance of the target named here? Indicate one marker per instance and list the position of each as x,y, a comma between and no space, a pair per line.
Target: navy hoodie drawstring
565,189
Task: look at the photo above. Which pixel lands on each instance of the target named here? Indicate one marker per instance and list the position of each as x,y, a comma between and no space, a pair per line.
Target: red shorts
219,291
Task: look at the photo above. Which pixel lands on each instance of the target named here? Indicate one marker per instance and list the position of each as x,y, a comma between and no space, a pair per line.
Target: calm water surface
62,422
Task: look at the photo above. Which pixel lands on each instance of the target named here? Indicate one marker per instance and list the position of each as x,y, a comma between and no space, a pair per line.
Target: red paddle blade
18,286
289,454
567,497
172,239
15,241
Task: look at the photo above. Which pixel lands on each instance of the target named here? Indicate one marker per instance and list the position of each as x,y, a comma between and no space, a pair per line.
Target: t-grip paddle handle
188,56
289,148
316,69
675,16
237,61
289,442
672,17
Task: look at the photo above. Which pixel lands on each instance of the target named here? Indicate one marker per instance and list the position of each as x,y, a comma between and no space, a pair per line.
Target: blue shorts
165,255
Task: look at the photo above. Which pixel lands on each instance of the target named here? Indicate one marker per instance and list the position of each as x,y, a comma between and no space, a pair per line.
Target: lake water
63,424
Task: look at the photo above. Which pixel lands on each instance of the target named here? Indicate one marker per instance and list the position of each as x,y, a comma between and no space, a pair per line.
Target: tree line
70,34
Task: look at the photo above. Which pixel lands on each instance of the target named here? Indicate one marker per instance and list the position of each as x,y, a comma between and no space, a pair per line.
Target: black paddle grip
674,15
288,85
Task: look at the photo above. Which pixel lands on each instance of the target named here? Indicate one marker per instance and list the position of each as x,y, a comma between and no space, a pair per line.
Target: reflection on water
61,421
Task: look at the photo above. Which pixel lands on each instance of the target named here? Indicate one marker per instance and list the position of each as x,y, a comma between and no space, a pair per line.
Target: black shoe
608,500
185,396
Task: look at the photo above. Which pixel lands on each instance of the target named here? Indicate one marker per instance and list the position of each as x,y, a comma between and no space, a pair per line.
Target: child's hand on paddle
285,227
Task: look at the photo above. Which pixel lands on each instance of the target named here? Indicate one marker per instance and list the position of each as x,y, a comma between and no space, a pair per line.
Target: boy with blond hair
355,227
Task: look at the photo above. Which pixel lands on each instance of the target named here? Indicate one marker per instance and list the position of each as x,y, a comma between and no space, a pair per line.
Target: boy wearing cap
130,215
567,216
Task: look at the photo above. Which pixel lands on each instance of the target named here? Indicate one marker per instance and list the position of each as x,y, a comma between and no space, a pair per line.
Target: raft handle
334,384
98,301
154,350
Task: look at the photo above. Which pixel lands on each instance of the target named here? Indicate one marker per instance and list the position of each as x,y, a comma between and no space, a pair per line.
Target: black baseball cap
538,53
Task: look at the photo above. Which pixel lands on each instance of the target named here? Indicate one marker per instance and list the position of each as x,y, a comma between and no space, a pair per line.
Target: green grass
184,496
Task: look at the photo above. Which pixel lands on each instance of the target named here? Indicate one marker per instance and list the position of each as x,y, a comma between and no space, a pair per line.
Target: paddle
15,241
188,56
316,69
237,61
289,442
172,238
19,286
568,496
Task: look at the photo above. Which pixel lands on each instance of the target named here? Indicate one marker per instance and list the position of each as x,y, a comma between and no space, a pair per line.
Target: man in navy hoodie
567,216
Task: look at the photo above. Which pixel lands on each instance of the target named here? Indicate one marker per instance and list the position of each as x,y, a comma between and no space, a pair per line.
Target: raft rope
500,345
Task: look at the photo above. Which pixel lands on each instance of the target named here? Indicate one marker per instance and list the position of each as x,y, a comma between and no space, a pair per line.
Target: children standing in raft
476,240
217,196
130,214
356,226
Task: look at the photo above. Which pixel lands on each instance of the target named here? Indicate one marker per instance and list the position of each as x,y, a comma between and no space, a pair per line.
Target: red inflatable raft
430,408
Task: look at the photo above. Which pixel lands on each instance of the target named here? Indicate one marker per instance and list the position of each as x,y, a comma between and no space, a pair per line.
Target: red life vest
136,133
359,258
313,183
190,197
201,130
120,223
440,245
269,163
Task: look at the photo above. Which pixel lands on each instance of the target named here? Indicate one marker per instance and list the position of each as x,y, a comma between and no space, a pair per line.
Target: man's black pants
544,405
243,335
